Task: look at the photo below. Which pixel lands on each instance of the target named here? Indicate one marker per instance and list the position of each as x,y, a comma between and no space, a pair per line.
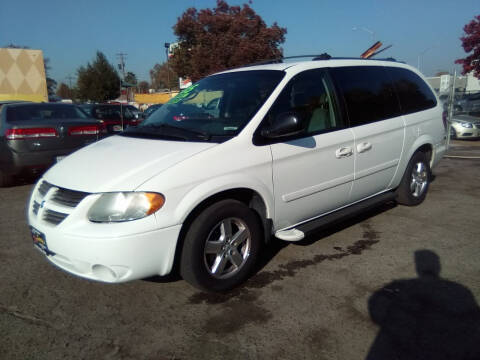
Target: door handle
344,152
364,147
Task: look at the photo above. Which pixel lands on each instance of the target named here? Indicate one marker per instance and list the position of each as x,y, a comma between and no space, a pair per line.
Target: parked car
465,127
149,111
110,114
35,136
136,112
287,147
468,104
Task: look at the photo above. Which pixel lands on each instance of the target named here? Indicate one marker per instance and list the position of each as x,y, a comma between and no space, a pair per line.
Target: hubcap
227,248
419,180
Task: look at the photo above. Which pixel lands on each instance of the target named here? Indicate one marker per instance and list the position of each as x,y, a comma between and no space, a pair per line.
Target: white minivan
235,159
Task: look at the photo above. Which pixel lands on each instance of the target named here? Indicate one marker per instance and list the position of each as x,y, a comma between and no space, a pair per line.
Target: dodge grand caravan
275,149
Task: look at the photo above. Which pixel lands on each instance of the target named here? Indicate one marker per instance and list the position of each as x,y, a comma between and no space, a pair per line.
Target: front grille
68,197
53,217
35,207
53,204
44,187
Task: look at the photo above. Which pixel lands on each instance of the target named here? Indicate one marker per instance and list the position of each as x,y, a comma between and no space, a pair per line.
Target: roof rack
316,57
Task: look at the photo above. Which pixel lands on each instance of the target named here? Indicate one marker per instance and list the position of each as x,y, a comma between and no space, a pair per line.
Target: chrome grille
53,204
53,217
35,207
69,198
44,187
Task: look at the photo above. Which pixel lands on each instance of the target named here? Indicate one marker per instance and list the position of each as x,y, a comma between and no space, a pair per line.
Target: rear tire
415,182
221,246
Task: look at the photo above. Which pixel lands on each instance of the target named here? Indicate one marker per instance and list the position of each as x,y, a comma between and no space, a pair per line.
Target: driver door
312,173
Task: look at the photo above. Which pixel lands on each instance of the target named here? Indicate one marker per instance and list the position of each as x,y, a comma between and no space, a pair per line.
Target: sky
423,33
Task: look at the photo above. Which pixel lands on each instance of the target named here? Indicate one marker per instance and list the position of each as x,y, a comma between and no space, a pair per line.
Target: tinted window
309,97
414,93
367,92
44,111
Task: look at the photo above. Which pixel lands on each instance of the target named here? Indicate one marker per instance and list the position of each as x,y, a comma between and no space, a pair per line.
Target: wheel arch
250,197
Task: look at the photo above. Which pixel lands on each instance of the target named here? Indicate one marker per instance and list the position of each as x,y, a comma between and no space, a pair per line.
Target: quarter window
413,92
368,93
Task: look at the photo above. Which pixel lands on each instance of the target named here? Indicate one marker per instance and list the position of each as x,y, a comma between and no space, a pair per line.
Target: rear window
413,92
368,93
43,112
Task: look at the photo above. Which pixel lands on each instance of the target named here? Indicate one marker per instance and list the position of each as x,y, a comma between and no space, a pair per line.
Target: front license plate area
40,242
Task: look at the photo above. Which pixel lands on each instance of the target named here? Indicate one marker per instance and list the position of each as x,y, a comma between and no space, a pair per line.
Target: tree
131,78
64,91
98,81
471,44
143,87
212,40
160,76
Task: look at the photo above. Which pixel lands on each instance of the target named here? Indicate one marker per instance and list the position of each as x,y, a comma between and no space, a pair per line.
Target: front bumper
115,252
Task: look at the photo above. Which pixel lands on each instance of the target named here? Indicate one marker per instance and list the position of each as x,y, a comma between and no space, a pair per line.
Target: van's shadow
426,317
275,246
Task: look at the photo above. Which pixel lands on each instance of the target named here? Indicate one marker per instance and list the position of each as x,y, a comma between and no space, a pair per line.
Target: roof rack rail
317,57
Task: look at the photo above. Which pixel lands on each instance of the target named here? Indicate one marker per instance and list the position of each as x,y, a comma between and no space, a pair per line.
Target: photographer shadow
426,317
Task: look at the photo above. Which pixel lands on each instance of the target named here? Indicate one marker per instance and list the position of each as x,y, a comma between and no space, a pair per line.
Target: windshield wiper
172,131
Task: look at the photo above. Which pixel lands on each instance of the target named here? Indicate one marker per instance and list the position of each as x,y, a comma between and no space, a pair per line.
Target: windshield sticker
230,128
185,93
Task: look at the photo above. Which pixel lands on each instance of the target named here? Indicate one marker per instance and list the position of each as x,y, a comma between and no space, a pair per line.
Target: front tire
221,246
415,182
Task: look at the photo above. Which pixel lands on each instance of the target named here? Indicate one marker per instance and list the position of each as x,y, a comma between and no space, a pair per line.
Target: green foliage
143,87
227,36
98,81
163,77
131,78
64,91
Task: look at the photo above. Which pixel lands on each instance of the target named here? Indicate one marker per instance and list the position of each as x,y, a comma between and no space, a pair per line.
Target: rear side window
43,112
413,92
368,93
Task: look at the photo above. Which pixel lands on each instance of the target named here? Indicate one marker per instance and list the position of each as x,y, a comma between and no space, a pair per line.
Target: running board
298,233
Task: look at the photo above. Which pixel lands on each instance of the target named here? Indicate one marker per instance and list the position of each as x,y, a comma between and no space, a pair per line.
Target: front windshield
218,106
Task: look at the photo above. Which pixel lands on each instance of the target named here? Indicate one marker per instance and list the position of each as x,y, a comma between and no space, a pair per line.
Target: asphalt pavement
363,289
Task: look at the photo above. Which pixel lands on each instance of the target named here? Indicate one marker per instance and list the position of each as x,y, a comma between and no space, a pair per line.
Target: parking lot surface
317,299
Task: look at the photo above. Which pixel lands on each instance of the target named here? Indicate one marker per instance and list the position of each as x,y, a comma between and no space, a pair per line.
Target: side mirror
285,124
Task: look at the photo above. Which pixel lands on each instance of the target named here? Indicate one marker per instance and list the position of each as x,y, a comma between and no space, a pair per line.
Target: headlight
124,206
467,125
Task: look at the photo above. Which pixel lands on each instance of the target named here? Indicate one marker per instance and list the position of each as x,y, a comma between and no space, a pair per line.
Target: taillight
444,118
31,133
83,130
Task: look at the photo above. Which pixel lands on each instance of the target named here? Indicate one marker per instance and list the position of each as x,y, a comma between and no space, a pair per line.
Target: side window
310,97
413,92
368,93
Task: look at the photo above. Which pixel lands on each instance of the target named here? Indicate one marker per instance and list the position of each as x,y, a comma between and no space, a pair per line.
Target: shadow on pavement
426,317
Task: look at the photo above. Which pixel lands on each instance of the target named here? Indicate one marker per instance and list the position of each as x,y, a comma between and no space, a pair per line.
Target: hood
466,118
120,163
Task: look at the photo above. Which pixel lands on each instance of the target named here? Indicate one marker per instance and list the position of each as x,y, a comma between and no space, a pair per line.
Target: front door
313,172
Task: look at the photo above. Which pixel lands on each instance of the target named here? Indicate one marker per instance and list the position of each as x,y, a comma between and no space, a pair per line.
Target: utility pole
167,47
70,78
122,56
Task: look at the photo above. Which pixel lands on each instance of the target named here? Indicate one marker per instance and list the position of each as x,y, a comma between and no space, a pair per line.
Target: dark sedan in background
116,117
35,136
